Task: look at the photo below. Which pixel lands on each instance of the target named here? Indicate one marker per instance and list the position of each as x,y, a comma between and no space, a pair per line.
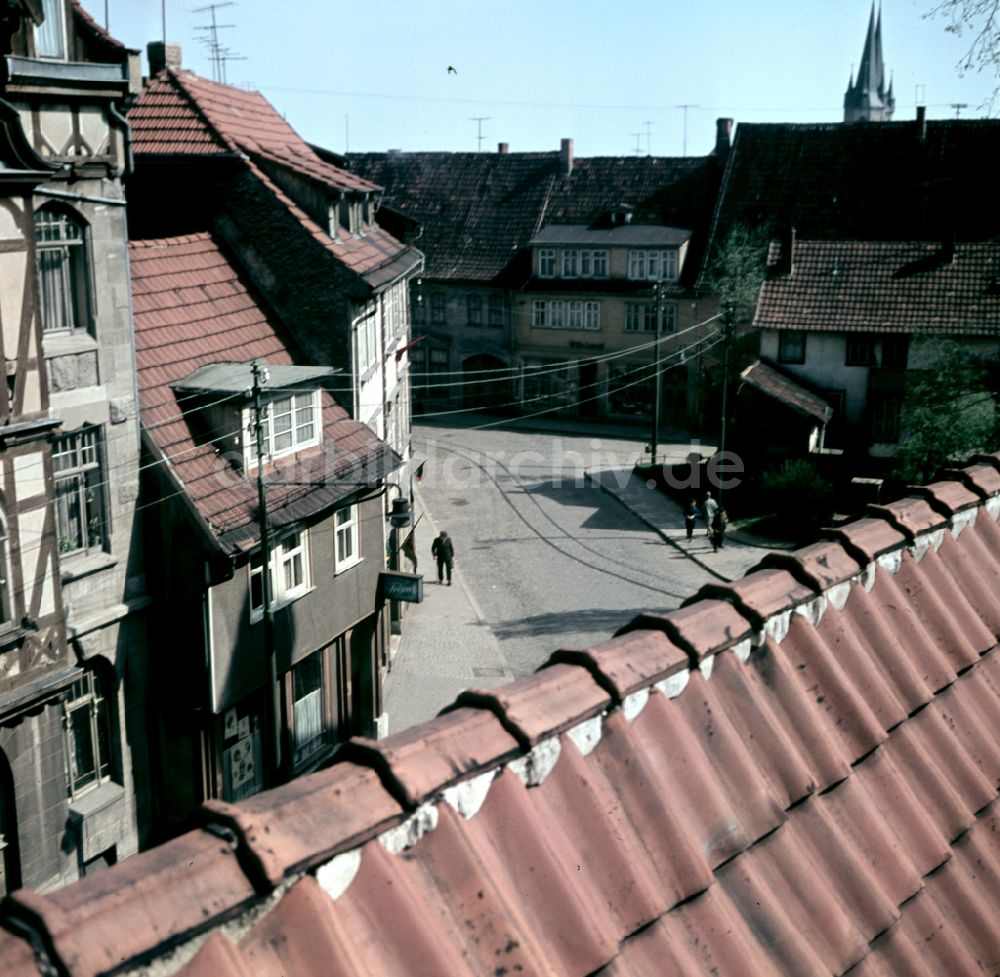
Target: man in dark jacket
444,552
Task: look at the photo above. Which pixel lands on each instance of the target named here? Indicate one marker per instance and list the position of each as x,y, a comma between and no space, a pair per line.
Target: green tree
980,21
738,271
949,409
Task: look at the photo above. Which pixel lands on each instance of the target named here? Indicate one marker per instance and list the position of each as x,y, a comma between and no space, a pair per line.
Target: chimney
503,148
162,55
786,259
566,157
922,123
723,136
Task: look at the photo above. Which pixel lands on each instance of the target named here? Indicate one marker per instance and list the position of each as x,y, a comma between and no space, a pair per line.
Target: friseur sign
396,585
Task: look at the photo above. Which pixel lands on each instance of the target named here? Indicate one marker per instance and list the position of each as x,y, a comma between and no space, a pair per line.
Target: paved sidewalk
741,552
466,654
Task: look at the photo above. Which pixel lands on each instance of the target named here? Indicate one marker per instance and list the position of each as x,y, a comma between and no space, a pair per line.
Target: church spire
867,98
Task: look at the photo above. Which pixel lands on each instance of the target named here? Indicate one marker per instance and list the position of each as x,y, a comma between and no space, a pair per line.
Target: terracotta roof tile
191,308
894,287
154,899
17,959
818,566
542,705
984,479
947,497
812,792
759,594
629,663
770,380
420,762
867,539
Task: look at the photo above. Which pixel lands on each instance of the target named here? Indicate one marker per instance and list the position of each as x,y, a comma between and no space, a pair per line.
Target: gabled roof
192,308
480,210
885,182
770,380
794,774
181,115
886,286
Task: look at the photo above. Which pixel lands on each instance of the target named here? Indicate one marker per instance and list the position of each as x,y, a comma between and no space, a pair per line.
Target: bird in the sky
451,70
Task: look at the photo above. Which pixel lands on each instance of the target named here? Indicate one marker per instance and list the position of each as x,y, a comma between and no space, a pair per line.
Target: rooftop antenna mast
479,120
638,144
686,107
958,106
647,124
217,54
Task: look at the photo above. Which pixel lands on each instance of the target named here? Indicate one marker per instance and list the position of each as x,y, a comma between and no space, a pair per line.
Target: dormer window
653,266
289,424
50,35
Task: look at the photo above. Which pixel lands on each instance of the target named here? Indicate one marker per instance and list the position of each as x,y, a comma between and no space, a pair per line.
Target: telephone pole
728,318
658,379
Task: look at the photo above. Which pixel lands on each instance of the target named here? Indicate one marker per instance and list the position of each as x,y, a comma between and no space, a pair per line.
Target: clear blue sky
376,74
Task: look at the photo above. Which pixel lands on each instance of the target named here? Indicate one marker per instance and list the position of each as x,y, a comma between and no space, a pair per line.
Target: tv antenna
217,54
647,124
479,120
638,144
958,106
686,107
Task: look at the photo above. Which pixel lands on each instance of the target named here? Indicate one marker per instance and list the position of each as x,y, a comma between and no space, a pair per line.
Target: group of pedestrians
716,520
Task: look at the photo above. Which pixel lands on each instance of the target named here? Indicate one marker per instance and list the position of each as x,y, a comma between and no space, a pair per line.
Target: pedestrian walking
709,508
690,517
718,529
443,550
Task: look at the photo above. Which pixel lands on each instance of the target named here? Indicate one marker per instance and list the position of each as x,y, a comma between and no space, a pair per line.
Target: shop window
309,728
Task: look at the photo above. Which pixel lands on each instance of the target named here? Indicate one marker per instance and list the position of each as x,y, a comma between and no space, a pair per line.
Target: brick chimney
786,257
723,136
922,123
162,55
566,157
503,148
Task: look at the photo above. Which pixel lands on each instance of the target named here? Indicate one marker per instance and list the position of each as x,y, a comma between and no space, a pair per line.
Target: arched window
64,292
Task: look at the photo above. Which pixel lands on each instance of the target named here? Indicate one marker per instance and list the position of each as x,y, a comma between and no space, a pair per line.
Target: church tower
867,99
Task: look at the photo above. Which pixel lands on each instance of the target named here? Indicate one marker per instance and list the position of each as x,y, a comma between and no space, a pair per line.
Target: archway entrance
486,382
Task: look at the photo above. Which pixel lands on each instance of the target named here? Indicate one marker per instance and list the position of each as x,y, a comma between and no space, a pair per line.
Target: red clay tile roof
480,210
91,26
862,182
796,774
886,286
182,114
774,383
192,308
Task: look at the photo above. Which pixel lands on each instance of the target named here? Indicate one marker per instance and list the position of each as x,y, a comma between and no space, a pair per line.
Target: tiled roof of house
192,308
794,774
87,22
885,286
479,210
770,380
879,182
181,114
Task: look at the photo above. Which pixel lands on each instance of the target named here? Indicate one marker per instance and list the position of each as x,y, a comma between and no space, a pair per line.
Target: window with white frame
347,543
50,35
88,733
288,577
653,265
309,728
368,343
78,470
63,281
289,424
546,263
641,317
599,264
562,314
570,263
